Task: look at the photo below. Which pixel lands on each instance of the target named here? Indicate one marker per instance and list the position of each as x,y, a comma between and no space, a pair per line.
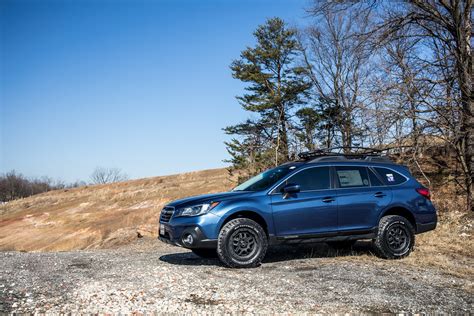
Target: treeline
14,185
368,73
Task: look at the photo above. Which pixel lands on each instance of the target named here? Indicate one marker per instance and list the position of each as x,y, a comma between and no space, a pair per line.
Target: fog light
188,239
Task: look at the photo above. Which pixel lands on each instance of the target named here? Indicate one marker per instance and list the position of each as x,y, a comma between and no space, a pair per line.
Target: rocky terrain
148,276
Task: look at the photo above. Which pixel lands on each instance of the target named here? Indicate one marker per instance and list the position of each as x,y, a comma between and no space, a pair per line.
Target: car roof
354,156
346,154
345,159
354,162
337,162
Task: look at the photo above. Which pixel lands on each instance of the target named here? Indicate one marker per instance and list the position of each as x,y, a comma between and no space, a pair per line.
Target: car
323,197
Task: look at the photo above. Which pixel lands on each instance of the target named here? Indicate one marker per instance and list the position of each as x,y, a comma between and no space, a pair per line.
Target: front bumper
175,230
176,236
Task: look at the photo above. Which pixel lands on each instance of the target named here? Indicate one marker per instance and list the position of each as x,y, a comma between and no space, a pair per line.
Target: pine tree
249,151
309,120
276,85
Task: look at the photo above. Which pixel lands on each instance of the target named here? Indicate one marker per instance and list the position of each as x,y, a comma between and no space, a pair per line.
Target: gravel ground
149,276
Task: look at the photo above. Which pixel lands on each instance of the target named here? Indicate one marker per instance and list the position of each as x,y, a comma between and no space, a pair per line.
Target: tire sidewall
224,243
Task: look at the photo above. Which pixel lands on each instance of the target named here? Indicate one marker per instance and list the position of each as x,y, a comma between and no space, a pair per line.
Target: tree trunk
347,131
283,136
468,106
466,80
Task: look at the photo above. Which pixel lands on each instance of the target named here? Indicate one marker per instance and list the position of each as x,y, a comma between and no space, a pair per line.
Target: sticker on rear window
390,177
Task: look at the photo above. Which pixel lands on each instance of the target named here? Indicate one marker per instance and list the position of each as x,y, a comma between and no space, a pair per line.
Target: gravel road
149,276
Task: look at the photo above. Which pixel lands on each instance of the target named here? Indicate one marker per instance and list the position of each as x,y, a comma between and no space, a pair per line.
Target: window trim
331,182
376,173
378,177
334,181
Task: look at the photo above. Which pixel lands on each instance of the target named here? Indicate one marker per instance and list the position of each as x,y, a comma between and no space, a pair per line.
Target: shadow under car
277,254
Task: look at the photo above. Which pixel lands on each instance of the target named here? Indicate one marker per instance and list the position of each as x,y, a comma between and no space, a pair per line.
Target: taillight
424,192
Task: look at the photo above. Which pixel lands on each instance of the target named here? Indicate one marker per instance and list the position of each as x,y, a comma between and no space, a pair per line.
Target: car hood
208,198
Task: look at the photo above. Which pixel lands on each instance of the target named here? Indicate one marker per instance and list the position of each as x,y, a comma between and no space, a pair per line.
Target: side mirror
291,188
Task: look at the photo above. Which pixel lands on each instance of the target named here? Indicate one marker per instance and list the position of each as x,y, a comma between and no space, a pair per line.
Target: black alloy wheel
244,243
397,237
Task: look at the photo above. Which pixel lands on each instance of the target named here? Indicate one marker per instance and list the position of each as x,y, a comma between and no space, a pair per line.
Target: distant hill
99,216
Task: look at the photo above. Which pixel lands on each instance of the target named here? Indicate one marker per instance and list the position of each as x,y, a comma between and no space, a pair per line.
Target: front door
313,210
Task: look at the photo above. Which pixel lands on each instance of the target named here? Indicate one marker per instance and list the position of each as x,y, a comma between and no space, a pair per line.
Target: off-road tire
231,242
205,253
342,245
394,230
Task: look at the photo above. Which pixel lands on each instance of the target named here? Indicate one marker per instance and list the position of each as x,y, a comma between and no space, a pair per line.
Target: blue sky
144,86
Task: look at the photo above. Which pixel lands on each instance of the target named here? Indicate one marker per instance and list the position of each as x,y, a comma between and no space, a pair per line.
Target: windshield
265,179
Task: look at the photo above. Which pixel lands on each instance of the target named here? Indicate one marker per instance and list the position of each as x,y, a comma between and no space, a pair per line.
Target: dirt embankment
100,216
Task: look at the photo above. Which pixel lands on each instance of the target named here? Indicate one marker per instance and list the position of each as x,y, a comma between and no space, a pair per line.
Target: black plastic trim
322,237
200,240
422,228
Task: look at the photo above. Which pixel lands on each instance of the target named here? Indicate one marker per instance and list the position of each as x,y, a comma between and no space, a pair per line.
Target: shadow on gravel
189,259
278,254
318,250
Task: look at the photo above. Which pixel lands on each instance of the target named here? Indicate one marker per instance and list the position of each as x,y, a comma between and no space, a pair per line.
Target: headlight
196,210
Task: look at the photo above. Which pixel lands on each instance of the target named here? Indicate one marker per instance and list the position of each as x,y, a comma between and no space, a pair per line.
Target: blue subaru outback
324,197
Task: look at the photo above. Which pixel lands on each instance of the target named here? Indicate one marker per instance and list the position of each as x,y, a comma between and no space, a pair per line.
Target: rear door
311,211
361,197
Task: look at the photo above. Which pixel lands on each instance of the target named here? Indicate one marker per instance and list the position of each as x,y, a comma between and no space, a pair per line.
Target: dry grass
98,216
449,248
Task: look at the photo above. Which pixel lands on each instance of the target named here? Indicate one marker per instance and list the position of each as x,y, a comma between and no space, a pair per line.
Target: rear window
389,176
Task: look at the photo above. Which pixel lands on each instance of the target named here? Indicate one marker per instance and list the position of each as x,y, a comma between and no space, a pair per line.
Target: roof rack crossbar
342,153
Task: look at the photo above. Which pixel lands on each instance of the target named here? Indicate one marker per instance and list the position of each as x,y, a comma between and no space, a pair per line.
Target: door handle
380,194
328,199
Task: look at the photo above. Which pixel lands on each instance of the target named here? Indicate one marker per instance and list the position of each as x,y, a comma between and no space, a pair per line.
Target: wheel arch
401,211
255,216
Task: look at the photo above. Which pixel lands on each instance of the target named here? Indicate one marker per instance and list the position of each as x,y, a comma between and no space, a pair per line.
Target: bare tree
107,175
14,185
430,68
445,28
338,64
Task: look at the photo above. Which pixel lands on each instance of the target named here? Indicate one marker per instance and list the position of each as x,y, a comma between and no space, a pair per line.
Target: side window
352,177
316,178
390,177
374,180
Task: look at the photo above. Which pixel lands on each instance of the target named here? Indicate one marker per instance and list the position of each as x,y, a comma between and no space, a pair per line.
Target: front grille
166,214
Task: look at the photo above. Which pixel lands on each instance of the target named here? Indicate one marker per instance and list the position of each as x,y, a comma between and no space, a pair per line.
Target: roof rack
345,153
